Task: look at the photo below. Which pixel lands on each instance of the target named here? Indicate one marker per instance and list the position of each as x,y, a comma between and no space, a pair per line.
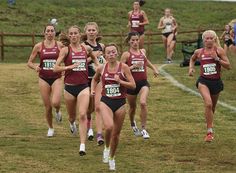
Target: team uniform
101,60
210,73
227,40
48,58
139,74
76,79
113,94
135,19
167,22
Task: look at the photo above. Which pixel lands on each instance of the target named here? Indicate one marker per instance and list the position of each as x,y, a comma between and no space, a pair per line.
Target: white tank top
167,22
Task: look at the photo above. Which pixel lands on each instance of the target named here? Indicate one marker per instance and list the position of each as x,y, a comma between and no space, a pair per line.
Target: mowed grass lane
175,122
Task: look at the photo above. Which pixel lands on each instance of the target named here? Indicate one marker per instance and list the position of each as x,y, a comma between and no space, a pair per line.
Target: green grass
175,122
31,16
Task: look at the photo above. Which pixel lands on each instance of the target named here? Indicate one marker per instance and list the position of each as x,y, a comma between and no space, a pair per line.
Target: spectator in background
137,20
168,25
11,2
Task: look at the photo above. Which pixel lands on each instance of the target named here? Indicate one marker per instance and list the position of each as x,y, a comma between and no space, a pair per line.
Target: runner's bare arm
32,57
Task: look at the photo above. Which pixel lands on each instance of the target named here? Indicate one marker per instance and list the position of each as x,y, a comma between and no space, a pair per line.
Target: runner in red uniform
115,77
76,92
137,61
137,20
209,84
50,83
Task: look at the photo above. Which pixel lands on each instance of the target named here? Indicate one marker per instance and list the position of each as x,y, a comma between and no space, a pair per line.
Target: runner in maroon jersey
50,83
209,84
76,92
137,61
137,20
115,77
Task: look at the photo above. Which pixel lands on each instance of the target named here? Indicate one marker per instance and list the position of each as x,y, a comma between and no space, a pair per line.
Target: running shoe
168,61
82,150
136,130
145,134
50,132
209,137
112,164
100,140
73,128
90,134
58,116
106,153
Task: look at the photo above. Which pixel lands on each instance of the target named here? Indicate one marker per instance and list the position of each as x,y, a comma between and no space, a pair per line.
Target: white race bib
135,23
112,90
138,69
81,66
48,64
209,69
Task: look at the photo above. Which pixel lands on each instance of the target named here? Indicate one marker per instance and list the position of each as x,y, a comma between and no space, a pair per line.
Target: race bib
101,59
135,23
81,66
48,64
112,90
138,69
168,28
209,69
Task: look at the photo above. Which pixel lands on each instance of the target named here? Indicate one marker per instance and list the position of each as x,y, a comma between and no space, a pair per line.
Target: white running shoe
82,150
112,165
136,130
50,132
58,116
73,128
90,134
106,153
145,134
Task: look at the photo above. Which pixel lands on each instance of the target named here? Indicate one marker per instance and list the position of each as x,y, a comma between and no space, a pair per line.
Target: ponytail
64,39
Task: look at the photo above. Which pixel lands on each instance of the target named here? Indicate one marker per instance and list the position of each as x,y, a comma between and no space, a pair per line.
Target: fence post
148,42
2,46
33,39
121,41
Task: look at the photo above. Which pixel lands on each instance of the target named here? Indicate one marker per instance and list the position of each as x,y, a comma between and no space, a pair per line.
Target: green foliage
31,16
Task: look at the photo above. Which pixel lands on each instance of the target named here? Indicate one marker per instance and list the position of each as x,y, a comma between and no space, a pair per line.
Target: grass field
175,122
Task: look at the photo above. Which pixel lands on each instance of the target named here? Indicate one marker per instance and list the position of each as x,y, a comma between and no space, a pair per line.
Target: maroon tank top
141,72
135,19
48,58
210,68
111,88
78,75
